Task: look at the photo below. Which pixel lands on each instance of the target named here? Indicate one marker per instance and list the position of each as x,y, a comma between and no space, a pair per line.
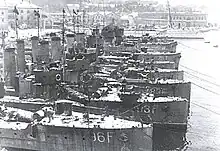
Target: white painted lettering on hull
102,137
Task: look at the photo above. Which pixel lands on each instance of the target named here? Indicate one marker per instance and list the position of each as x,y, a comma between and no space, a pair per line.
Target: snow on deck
16,111
78,121
13,125
157,70
158,53
70,102
111,96
158,43
17,100
145,98
169,81
168,70
159,62
113,57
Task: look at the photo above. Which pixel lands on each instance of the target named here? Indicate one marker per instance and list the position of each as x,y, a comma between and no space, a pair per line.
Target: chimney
56,48
70,40
9,66
80,38
43,52
34,42
20,56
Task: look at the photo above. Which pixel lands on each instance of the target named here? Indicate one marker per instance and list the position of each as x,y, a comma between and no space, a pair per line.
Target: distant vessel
207,42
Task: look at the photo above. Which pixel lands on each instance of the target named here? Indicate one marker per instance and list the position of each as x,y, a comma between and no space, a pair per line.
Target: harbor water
200,61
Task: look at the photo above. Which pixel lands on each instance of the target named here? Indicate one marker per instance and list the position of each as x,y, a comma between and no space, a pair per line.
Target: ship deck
77,120
114,97
13,125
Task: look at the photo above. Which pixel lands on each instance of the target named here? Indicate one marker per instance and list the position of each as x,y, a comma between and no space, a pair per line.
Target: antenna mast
83,20
63,41
36,13
15,11
16,25
169,15
103,13
74,21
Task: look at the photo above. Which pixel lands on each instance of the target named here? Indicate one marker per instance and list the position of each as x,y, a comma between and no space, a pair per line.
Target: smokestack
80,38
34,42
43,53
70,40
9,66
20,56
56,48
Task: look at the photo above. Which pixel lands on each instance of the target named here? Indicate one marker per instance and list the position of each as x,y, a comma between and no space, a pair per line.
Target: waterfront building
26,17
179,19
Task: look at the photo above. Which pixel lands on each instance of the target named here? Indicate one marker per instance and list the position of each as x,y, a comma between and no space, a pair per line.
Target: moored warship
100,80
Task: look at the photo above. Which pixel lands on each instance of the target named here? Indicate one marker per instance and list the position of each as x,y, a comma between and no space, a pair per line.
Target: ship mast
103,13
169,15
3,39
74,21
63,42
15,11
36,13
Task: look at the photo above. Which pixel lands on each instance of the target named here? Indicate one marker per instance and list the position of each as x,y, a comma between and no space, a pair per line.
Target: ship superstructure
75,89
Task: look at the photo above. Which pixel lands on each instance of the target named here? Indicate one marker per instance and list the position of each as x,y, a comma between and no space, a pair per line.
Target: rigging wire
196,71
68,10
205,89
204,80
188,46
205,108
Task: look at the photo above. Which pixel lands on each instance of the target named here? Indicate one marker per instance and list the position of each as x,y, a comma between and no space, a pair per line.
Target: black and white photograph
109,75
